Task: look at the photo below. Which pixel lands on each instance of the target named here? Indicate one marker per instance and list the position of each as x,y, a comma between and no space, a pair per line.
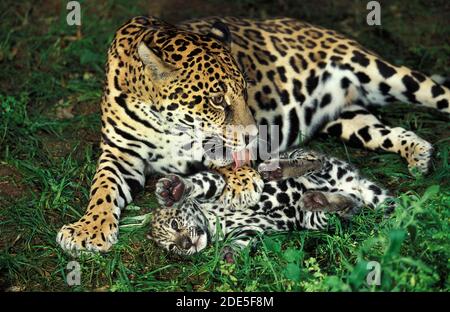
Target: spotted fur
290,202
162,81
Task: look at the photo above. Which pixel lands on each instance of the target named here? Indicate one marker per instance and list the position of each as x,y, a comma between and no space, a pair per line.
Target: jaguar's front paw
94,233
243,189
170,190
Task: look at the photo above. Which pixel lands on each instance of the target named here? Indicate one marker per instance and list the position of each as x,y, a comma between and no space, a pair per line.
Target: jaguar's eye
174,224
218,100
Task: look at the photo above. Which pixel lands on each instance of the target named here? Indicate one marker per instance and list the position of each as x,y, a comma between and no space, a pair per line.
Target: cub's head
188,78
182,231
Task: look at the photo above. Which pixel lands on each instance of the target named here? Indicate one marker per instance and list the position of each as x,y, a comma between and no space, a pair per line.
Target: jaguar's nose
184,242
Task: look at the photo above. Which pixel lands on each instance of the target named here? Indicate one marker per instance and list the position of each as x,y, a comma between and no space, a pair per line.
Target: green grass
50,86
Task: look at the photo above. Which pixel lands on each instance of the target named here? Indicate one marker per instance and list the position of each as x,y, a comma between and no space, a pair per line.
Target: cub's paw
277,169
301,154
170,190
314,201
343,205
270,170
419,155
94,233
243,189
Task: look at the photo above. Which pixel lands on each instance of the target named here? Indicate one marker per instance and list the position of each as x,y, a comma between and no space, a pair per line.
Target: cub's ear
221,32
157,66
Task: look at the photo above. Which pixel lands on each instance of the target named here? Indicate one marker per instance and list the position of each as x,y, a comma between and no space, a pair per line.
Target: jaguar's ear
157,66
221,32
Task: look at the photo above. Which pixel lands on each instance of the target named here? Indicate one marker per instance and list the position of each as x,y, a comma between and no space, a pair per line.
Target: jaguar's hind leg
360,128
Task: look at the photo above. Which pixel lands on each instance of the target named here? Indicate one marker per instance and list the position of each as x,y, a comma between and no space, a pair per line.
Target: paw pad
170,190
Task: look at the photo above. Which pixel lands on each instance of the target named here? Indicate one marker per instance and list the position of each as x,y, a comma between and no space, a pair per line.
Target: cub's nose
184,242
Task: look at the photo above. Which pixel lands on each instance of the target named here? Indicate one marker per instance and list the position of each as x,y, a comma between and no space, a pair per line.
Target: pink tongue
240,158
236,160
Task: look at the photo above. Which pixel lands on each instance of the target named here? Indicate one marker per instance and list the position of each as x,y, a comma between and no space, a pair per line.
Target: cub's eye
174,224
218,100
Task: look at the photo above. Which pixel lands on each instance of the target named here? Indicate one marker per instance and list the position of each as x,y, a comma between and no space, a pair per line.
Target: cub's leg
360,128
205,186
342,177
235,189
291,164
117,178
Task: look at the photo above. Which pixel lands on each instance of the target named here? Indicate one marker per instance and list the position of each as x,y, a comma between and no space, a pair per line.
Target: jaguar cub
299,190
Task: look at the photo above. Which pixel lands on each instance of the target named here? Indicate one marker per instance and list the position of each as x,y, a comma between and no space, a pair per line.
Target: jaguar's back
304,75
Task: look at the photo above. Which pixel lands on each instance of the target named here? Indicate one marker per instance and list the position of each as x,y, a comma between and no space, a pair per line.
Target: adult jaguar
301,189
162,81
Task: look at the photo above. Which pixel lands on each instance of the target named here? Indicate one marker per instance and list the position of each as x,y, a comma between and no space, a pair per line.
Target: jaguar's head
192,81
183,231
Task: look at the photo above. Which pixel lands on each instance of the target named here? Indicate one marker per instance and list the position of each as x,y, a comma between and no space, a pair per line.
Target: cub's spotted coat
162,81
302,190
